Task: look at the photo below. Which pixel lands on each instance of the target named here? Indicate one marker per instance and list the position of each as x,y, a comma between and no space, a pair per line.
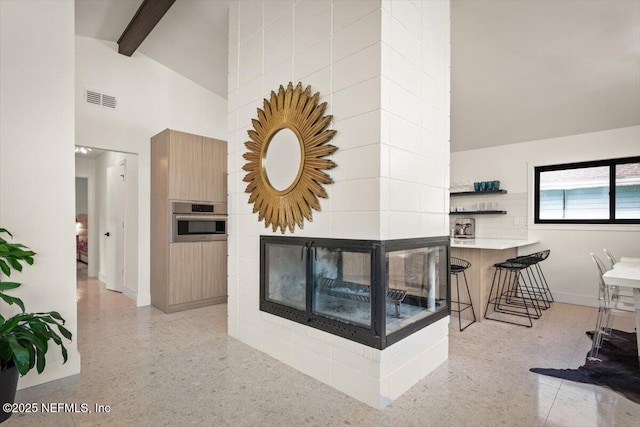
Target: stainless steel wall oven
197,222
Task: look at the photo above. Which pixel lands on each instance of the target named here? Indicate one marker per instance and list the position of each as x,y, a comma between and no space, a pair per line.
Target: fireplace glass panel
375,292
286,275
416,287
342,285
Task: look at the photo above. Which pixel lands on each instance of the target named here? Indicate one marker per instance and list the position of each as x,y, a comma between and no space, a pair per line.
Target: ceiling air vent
93,97
101,99
108,101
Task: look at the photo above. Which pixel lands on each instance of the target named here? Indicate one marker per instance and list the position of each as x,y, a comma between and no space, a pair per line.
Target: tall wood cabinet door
185,272
214,259
215,169
185,166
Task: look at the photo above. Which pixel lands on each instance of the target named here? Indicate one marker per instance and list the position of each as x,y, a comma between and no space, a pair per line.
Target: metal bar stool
542,255
537,276
539,290
458,266
513,294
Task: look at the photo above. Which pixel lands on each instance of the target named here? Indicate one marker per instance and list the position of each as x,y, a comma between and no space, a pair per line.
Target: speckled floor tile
182,369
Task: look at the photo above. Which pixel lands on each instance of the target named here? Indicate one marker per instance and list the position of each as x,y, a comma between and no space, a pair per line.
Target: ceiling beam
146,18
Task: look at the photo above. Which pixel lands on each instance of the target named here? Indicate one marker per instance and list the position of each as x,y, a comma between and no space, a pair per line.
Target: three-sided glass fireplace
375,292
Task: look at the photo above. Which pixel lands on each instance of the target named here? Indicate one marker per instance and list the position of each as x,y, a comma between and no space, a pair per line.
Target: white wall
86,168
151,97
82,196
37,160
569,269
392,162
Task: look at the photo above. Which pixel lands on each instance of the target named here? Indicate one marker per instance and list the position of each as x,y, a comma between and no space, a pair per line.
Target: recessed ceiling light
82,150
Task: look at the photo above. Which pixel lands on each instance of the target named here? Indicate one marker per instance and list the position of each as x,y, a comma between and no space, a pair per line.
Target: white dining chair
612,259
609,299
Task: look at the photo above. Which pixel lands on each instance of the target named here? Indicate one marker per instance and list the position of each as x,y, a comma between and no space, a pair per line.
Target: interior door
115,227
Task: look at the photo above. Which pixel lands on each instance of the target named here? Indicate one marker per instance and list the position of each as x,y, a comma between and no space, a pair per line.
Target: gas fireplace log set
375,292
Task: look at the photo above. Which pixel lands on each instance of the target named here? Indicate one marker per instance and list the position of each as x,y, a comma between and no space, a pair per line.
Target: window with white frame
597,192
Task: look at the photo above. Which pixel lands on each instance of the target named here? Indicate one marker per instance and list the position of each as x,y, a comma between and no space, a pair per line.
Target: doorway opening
107,237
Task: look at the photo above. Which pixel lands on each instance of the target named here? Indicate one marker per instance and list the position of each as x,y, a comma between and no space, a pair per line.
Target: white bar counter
495,244
482,253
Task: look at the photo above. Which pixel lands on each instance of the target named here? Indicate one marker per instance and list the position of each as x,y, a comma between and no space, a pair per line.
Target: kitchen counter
482,254
496,244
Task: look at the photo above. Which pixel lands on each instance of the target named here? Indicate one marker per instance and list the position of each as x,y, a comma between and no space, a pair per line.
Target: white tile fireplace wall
383,68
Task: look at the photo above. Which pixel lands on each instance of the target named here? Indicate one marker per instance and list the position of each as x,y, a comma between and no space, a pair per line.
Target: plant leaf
12,300
4,230
15,264
41,361
65,332
55,315
5,286
20,355
5,268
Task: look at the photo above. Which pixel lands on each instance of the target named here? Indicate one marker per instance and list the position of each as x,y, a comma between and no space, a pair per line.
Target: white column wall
337,48
414,153
415,119
37,161
569,269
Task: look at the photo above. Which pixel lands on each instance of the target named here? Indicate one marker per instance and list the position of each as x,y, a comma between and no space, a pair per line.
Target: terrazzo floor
182,369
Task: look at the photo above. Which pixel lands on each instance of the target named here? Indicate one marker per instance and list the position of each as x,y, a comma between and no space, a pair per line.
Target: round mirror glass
282,160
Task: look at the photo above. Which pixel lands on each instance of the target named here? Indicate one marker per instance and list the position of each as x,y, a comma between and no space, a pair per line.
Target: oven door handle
200,217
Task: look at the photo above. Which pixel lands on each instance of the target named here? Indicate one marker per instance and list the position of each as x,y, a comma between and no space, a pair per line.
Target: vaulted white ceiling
521,70
527,70
191,38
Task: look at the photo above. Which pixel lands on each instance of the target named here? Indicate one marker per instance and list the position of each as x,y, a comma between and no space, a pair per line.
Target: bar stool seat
458,266
514,295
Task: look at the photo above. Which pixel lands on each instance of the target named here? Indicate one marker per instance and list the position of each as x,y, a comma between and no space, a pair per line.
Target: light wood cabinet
193,168
214,159
185,272
197,168
197,271
185,167
214,269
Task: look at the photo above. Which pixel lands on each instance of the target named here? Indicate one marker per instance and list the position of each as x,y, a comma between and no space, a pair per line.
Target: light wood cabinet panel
159,219
185,167
214,268
185,272
215,169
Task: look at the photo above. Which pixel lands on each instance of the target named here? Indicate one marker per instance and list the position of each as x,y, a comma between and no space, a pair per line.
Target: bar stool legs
458,266
512,294
536,277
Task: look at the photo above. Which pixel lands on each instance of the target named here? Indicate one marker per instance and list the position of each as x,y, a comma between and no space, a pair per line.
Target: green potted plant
24,337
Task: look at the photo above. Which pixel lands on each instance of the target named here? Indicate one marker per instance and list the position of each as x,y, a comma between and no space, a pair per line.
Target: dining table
626,274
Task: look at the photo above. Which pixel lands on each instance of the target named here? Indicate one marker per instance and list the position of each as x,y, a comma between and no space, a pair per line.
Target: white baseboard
589,301
102,277
143,300
54,370
130,293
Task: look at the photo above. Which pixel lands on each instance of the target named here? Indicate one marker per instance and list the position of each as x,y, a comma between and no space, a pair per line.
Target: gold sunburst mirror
285,157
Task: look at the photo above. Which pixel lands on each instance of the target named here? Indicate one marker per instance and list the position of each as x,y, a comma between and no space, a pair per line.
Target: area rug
618,370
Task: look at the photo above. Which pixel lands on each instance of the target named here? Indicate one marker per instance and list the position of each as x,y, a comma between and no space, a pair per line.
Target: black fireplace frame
373,336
